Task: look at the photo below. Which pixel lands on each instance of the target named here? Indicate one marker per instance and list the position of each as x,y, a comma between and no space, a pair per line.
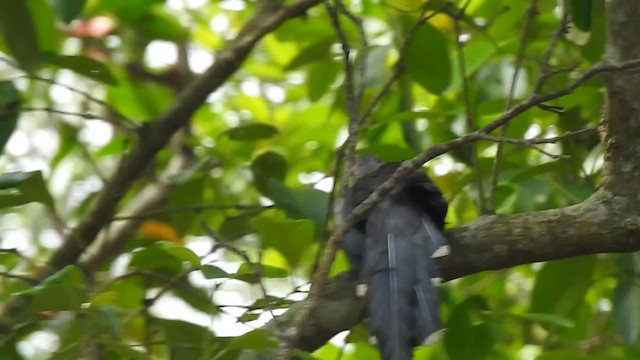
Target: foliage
237,229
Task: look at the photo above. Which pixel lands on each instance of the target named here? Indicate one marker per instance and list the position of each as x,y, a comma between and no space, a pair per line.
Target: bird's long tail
402,299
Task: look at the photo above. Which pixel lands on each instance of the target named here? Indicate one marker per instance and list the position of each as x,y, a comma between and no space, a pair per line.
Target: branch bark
604,223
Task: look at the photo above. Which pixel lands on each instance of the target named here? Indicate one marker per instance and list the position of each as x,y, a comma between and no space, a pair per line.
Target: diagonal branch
156,134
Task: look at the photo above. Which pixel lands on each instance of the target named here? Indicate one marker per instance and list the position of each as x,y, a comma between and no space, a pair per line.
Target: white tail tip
361,290
442,251
436,336
436,281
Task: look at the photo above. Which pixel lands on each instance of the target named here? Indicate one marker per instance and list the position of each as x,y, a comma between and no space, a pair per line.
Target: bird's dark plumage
392,251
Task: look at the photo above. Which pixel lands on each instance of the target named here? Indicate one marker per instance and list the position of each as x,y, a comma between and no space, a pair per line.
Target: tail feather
389,301
427,315
401,272
437,244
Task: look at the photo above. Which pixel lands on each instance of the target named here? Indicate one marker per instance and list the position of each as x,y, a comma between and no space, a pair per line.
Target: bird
392,255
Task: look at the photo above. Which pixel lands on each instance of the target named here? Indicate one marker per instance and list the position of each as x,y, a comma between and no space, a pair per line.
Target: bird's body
392,251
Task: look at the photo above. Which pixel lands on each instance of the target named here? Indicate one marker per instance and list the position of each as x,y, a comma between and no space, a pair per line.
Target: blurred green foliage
264,146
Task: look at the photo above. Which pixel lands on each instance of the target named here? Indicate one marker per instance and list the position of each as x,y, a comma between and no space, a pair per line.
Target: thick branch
622,109
604,223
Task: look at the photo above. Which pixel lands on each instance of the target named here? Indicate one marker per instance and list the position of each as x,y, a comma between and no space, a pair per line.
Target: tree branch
604,223
156,134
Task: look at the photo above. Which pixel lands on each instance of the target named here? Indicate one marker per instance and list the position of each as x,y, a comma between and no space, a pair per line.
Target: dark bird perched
392,251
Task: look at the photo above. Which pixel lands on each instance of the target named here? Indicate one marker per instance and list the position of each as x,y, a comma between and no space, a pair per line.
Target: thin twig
122,122
532,11
398,68
546,58
469,122
25,278
351,93
190,208
222,243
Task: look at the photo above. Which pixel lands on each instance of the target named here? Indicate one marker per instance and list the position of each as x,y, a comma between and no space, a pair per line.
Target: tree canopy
172,173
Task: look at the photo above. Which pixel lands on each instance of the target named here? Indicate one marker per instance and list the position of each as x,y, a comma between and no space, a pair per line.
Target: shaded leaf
626,310
427,60
83,65
305,203
18,29
561,285
67,10
626,299
468,336
375,74
247,273
235,226
546,319
268,165
581,14
289,237
114,347
320,78
252,132
26,187
63,290
9,105
566,355
313,52
163,256
213,272
259,340
189,341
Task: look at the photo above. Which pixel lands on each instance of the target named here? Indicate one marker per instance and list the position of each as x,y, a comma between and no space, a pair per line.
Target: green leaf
153,257
289,237
45,22
626,299
67,10
114,347
19,33
566,355
320,77
233,227
313,52
213,272
546,319
63,290
25,187
62,297
159,24
306,203
186,194
252,132
259,340
561,285
375,74
189,341
626,310
268,165
581,14
180,252
390,152
247,273
9,111
469,336
84,66
427,60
